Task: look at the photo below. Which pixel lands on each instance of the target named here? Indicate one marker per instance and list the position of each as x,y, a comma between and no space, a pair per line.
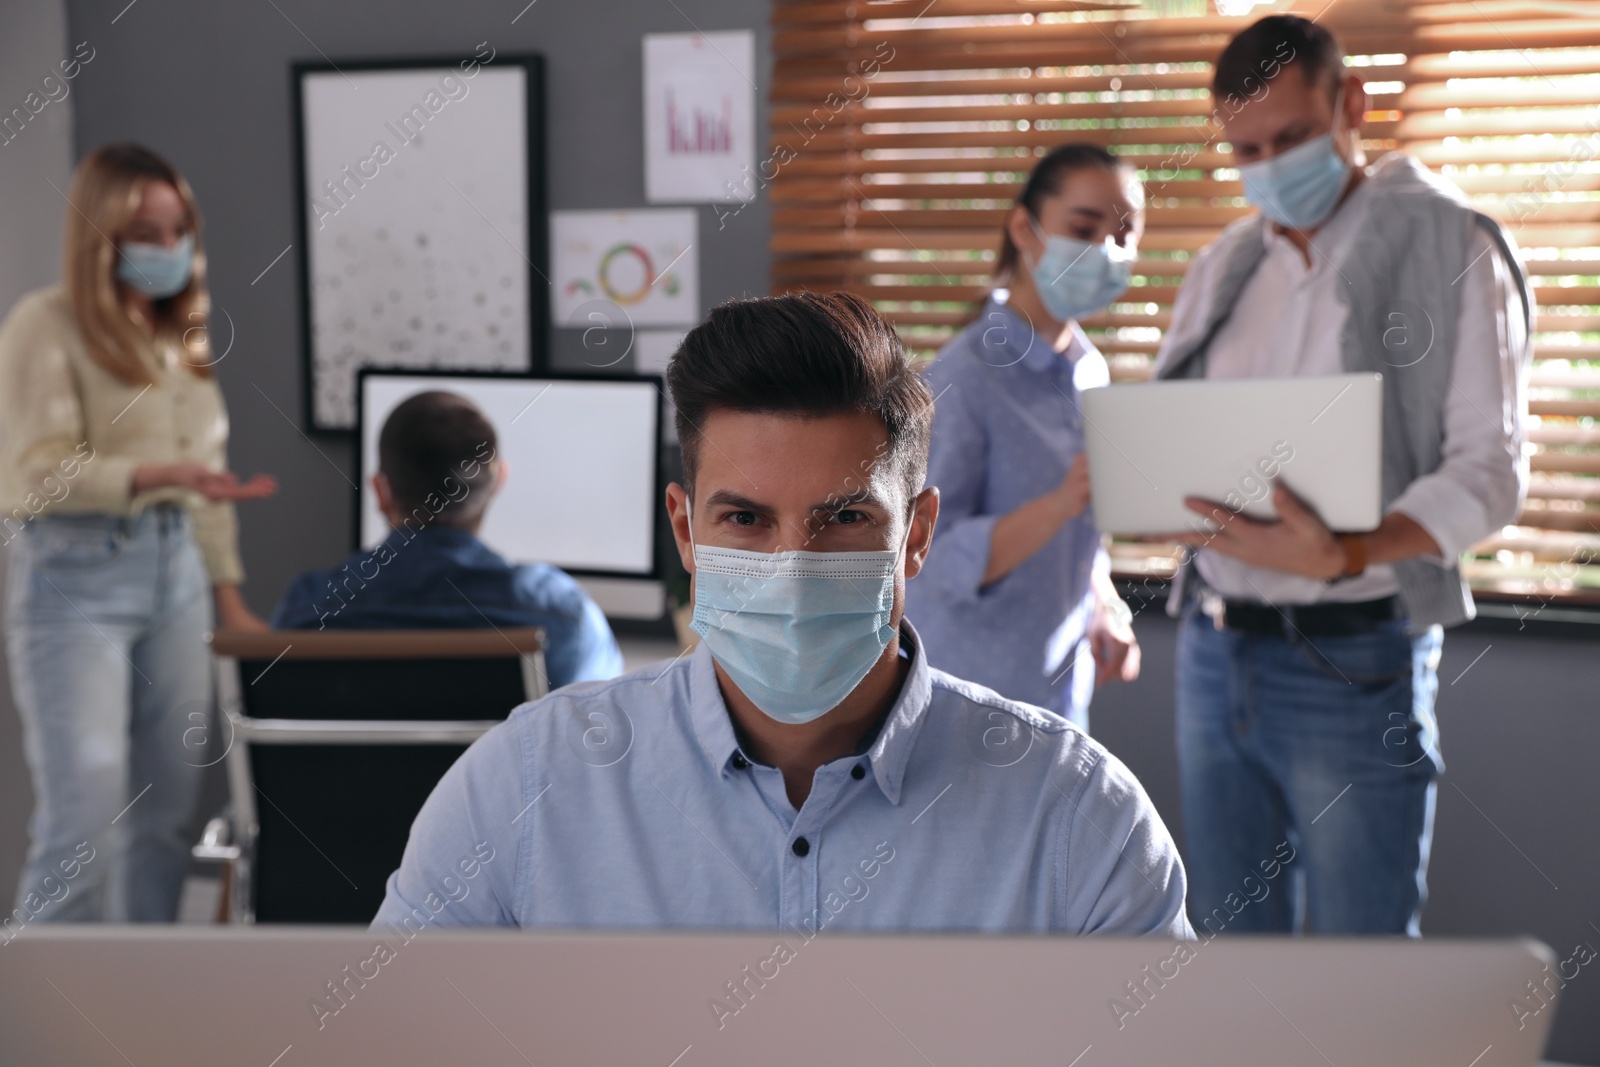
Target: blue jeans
1309,762
106,622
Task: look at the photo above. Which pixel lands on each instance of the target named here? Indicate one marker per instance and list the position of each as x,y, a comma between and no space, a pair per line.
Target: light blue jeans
1307,772
106,622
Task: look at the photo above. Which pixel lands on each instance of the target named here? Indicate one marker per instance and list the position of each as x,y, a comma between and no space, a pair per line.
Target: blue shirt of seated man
438,472
443,578
807,768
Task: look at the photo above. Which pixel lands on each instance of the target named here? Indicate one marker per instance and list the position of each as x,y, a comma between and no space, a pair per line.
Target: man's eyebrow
866,497
724,498
1093,213
1294,129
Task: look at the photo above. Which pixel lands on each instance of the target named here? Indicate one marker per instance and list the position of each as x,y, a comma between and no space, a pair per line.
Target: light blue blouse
1006,427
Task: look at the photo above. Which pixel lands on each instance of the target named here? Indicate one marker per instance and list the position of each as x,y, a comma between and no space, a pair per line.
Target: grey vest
1400,277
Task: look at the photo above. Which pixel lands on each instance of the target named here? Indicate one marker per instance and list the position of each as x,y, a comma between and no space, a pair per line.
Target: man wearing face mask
1307,659
1017,592
806,768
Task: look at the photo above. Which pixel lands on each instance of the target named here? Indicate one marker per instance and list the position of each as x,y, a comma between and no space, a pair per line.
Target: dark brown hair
1255,56
803,354
1048,177
436,450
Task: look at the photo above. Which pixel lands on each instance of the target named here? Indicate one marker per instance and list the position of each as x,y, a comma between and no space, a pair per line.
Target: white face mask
1076,278
1298,189
796,631
156,270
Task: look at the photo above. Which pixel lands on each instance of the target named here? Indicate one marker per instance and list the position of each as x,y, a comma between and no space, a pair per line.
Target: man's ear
925,513
678,517
502,471
1354,102
380,489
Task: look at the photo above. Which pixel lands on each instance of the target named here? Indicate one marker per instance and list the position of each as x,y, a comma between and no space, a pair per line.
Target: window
902,129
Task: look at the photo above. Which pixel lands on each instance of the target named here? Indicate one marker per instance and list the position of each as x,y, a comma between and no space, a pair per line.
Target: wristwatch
1355,557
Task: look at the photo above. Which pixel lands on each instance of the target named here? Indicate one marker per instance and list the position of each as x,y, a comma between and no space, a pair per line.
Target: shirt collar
888,754
892,750
437,535
1341,225
1021,343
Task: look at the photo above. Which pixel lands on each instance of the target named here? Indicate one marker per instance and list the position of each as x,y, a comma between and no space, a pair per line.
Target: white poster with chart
421,221
699,116
624,269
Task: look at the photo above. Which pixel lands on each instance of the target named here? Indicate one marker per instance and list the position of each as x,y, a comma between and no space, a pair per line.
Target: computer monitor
584,489
86,995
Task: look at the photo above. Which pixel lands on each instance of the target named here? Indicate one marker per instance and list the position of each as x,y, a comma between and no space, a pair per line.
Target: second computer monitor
582,491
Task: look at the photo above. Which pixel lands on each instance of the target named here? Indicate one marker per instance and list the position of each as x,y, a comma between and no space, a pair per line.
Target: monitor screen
582,455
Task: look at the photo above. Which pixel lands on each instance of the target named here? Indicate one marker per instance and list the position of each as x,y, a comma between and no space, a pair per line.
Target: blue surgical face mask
795,631
1076,278
1298,189
156,270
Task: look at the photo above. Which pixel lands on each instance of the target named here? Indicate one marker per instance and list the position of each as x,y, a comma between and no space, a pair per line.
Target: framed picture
422,220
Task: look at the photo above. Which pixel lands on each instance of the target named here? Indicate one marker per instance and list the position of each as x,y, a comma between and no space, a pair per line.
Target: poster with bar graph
699,108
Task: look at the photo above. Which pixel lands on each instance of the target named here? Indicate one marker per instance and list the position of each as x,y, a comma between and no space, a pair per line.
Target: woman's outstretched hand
212,484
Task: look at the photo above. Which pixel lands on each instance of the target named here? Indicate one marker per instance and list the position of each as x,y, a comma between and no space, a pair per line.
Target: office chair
335,739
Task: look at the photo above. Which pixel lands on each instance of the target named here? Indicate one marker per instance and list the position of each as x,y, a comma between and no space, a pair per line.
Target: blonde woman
120,519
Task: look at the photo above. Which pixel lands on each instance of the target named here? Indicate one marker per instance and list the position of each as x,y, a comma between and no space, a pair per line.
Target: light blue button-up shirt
629,803
1006,426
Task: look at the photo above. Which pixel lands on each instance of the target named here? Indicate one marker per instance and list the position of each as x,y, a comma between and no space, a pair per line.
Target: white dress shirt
1288,322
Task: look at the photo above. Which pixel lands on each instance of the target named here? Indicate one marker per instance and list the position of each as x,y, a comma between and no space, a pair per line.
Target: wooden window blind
901,130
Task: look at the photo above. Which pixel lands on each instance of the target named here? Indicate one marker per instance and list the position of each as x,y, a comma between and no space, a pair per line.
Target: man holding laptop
1307,660
805,767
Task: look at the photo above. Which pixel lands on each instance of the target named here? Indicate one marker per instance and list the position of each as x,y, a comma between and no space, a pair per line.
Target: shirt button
739,762
183,442
801,846
858,772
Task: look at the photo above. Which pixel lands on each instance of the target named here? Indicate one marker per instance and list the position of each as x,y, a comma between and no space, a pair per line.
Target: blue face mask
1076,278
796,631
156,270
1297,189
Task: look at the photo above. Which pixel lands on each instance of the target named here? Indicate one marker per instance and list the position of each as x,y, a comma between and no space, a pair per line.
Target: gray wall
207,84
33,42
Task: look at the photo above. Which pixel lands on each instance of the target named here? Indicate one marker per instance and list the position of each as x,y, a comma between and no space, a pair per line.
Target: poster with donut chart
624,269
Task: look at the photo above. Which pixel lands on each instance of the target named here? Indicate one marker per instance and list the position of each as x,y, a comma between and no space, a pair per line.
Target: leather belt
1328,619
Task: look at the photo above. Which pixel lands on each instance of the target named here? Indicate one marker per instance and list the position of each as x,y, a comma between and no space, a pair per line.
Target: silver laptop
297,997
1152,444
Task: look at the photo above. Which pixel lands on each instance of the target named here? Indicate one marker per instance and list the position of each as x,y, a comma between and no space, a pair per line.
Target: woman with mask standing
1016,593
120,518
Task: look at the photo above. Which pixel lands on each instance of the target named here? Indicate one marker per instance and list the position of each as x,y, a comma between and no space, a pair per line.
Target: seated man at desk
806,767
437,474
